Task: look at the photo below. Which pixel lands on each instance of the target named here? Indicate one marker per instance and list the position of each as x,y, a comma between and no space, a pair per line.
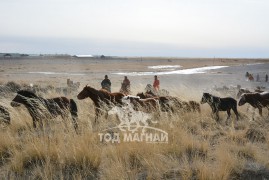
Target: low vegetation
198,148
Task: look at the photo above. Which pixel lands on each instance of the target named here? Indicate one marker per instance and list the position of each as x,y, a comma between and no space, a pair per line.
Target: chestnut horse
256,100
41,108
100,98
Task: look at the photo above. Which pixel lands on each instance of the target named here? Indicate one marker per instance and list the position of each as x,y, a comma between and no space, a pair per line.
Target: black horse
220,104
41,108
4,115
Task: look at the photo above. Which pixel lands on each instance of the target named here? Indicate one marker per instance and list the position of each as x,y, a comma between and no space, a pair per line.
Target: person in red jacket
156,83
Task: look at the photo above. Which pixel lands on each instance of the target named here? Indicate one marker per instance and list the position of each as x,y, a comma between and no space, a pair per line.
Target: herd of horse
42,109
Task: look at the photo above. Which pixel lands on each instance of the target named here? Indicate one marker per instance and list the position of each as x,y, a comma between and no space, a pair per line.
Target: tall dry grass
198,147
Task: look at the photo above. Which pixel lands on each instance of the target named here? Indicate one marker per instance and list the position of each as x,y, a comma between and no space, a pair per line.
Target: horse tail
5,115
74,113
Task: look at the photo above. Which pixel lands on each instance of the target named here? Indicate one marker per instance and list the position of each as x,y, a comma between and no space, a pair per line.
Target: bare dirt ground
56,71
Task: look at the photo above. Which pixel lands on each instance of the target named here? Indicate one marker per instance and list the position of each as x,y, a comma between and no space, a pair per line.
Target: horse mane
27,93
102,93
92,90
210,95
105,92
252,95
135,97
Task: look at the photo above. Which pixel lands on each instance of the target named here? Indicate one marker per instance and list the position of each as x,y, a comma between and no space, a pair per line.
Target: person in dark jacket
106,84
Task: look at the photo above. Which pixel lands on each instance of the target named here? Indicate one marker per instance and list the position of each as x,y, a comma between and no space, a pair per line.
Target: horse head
241,91
84,93
205,98
243,99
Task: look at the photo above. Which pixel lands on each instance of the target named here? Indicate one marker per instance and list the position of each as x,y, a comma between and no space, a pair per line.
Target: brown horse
41,108
256,100
101,98
148,105
169,103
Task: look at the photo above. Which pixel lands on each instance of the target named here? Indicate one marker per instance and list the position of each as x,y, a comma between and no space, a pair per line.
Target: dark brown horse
41,108
220,104
4,115
256,100
101,98
242,91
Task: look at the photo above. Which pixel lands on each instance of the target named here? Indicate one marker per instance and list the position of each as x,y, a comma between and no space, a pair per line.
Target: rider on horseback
125,85
106,84
156,83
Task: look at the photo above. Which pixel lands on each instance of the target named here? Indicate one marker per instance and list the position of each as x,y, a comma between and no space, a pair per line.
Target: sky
173,28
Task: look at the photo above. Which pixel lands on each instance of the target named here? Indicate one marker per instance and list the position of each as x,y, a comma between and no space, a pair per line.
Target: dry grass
198,148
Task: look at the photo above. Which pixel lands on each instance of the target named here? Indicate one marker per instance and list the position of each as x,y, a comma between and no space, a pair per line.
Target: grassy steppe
198,147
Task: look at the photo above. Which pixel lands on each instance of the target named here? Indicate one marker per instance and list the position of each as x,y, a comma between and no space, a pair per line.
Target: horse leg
75,123
34,123
74,113
236,112
106,115
217,116
41,126
97,114
253,114
229,115
260,111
